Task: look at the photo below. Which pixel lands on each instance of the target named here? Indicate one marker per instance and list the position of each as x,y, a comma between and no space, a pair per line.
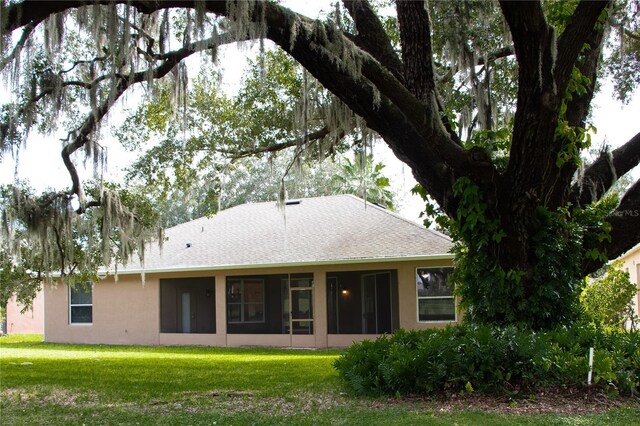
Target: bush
491,360
608,300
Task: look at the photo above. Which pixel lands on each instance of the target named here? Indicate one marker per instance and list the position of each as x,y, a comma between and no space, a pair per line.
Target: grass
44,383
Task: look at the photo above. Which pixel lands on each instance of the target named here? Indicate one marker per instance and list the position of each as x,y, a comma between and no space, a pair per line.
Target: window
81,304
435,295
245,300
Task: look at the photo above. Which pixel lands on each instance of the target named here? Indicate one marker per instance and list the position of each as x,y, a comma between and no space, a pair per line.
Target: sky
616,124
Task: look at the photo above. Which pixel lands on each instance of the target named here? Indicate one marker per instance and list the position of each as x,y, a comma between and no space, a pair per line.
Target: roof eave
284,265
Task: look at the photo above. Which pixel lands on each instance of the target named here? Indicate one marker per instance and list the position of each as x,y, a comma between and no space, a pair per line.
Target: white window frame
242,302
418,298
80,305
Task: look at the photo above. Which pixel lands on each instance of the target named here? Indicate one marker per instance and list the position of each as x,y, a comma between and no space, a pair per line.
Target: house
30,321
318,272
631,264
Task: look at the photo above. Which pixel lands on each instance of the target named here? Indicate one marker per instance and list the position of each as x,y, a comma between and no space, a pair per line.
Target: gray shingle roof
338,229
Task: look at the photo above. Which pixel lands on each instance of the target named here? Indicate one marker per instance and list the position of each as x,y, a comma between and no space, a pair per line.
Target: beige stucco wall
29,322
128,312
631,261
124,312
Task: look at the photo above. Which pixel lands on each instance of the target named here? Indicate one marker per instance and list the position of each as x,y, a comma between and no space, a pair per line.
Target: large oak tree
529,229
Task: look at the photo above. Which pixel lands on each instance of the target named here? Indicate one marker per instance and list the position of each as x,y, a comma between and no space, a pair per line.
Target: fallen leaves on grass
553,401
49,395
229,402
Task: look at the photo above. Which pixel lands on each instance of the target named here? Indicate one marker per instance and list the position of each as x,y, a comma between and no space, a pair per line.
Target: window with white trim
81,304
245,300
435,296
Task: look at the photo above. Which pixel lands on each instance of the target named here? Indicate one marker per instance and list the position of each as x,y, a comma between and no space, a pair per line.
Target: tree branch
398,116
528,27
542,80
497,54
446,72
17,15
576,116
538,103
625,232
276,147
417,55
605,171
168,58
631,34
83,61
372,37
576,33
26,32
82,135
413,131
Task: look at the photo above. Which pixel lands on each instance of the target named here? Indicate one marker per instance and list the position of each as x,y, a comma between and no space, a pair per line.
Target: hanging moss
46,234
241,16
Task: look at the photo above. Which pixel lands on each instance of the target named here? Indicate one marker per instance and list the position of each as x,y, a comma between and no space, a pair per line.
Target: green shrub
468,358
608,300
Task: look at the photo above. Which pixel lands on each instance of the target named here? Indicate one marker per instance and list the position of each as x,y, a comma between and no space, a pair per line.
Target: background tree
254,180
363,178
527,230
608,299
623,61
229,150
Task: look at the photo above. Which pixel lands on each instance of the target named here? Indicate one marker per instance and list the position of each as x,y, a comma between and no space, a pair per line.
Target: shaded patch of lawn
43,383
22,340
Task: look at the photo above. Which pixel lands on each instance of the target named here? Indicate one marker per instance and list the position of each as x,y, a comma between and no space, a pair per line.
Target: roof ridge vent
292,202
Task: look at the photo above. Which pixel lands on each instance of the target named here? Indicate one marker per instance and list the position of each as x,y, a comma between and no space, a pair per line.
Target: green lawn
43,383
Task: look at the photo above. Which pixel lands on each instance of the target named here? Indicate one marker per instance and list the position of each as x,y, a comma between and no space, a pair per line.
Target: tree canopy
608,299
229,149
487,104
